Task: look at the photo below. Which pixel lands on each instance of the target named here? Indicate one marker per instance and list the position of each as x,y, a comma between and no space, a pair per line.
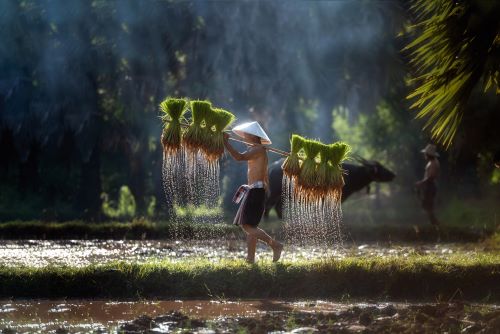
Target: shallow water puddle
103,316
87,316
41,253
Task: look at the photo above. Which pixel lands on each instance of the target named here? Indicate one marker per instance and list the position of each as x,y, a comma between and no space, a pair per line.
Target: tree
457,45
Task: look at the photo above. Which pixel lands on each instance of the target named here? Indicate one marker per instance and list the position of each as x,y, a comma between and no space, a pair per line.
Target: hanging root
312,196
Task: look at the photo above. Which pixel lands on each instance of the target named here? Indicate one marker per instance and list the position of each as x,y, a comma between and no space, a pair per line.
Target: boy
427,186
252,196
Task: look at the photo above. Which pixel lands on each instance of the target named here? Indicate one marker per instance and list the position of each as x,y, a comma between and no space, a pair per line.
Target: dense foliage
81,81
458,44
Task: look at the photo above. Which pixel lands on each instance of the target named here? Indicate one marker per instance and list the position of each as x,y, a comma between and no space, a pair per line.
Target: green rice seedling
291,166
324,169
308,173
208,134
207,131
195,136
221,120
339,153
331,171
172,110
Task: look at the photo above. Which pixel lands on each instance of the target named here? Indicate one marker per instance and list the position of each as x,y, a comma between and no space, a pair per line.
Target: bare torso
257,166
432,170
256,158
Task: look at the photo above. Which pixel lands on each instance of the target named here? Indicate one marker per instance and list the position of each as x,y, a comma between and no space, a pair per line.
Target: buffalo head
378,172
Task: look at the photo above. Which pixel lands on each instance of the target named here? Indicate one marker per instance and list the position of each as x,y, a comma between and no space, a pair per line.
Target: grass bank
144,229
414,277
137,229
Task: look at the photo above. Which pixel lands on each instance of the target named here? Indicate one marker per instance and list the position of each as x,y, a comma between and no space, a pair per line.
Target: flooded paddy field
204,286
201,269
40,253
243,316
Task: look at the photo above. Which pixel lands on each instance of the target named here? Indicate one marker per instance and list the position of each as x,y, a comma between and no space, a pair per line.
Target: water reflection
91,315
41,253
103,316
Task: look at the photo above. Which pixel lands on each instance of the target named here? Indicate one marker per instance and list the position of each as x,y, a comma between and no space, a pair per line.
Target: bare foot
277,249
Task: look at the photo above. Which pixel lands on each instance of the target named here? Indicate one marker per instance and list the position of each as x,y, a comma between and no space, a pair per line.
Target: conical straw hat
430,150
252,128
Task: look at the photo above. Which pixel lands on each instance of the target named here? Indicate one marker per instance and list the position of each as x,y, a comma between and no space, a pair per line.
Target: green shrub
126,205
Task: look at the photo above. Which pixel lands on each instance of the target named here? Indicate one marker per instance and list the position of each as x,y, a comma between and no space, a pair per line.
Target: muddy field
39,253
252,316
232,315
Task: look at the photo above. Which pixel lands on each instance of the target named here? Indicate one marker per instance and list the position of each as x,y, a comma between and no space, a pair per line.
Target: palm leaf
450,55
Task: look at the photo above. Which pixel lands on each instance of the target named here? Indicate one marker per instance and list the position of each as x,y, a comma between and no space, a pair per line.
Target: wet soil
40,253
441,318
248,316
362,318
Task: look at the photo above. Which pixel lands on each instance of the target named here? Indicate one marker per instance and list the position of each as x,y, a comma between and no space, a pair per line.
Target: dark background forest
81,81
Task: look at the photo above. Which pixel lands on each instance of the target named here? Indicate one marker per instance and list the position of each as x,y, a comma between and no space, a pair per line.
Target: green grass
137,229
145,229
420,233
414,277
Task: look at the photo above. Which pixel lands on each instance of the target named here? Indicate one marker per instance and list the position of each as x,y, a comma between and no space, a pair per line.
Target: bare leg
260,234
432,218
435,223
251,246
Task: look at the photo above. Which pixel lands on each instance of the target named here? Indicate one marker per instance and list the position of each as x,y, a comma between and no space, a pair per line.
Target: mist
81,81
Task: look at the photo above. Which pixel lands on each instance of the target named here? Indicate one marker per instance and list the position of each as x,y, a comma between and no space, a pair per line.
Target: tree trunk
137,182
28,171
89,196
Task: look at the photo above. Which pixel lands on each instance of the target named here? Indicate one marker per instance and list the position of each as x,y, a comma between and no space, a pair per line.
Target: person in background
427,186
252,196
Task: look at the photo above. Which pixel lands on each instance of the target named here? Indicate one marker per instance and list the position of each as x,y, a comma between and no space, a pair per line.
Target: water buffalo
357,177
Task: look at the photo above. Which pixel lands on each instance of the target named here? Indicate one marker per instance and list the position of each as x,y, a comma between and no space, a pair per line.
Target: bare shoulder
257,149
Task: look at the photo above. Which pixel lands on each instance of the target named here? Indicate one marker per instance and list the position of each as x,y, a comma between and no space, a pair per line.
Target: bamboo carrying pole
270,149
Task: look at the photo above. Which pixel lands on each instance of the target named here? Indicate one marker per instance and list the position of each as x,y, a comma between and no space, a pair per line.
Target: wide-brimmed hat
252,128
430,150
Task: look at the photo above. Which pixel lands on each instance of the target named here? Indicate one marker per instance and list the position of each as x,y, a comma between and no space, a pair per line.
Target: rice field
198,284
186,228
372,273
80,253
243,316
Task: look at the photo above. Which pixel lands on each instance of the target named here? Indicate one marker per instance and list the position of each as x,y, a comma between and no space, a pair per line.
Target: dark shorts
252,208
428,195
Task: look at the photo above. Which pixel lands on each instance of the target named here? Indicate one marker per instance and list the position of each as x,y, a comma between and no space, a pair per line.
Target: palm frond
457,45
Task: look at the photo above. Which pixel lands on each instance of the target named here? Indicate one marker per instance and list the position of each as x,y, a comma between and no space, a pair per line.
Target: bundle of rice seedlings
195,136
308,173
221,120
332,169
339,152
324,169
172,110
207,130
291,166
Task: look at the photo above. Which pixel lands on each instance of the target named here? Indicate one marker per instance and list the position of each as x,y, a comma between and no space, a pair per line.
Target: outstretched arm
432,173
245,156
